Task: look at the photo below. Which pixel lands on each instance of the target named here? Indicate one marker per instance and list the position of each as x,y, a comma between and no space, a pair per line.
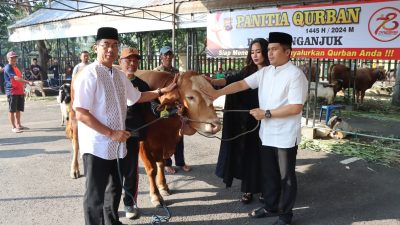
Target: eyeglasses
107,45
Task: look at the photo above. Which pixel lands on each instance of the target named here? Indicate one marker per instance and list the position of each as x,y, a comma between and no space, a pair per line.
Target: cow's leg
62,109
42,90
362,96
151,171
357,96
161,181
74,173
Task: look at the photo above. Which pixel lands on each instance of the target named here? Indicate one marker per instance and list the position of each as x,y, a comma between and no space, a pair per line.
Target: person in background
14,84
239,158
84,62
166,55
2,88
68,71
55,70
220,74
36,70
282,92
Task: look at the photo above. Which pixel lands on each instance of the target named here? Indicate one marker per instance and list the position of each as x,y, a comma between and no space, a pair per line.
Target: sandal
170,170
261,199
246,198
261,212
186,168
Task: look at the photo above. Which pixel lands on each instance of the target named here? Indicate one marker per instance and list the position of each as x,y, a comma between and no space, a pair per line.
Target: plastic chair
329,109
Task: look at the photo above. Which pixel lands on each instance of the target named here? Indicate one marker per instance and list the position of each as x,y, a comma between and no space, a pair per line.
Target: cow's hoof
165,192
157,203
75,174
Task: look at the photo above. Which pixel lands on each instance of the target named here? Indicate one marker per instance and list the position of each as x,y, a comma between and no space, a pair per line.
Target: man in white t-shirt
282,91
84,62
101,95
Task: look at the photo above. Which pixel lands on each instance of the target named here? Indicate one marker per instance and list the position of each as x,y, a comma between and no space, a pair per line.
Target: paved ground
35,187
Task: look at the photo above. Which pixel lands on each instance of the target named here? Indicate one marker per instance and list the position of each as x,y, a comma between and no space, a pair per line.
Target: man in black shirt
55,70
129,62
36,70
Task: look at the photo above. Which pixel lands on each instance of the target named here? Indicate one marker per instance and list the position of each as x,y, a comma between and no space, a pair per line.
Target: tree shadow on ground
27,152
29,140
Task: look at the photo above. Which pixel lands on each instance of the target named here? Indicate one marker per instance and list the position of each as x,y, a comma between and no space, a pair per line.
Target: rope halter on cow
184,119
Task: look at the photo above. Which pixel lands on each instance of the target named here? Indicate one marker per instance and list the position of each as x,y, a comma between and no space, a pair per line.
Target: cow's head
197,107
379,73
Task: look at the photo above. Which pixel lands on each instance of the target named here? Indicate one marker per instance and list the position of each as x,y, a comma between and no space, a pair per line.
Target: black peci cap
107,33
281,38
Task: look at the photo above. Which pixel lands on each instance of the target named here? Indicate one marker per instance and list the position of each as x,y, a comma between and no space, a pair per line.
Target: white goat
323,91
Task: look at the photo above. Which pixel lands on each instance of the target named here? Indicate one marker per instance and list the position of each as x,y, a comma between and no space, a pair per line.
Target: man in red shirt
14,84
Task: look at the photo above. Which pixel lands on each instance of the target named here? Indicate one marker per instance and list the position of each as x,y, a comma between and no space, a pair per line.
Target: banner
353,30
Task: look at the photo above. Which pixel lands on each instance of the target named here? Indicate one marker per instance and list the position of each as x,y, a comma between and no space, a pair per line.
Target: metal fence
203,64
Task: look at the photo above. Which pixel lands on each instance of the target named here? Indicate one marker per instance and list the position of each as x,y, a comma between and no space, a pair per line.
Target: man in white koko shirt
101,95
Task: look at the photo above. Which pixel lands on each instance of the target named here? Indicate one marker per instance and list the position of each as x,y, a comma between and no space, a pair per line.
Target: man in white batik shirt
101,93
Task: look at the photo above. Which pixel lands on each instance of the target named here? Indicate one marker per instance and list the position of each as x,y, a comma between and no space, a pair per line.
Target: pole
173,31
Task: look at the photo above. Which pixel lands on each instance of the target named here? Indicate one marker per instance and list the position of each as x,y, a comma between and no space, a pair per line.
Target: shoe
16,130
186,168
261,212
280,222
246,198
131,212
23,128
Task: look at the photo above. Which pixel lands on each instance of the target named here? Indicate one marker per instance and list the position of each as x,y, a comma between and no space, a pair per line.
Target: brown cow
340,77
365,78
162,136
314,71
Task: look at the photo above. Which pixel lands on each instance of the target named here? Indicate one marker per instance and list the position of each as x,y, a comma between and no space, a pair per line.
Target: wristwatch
159,91
268,114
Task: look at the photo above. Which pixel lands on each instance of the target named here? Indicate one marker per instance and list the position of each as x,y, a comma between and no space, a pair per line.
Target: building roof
72,18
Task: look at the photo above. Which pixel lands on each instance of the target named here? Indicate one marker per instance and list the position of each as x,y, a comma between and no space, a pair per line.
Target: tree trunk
43,58
396,88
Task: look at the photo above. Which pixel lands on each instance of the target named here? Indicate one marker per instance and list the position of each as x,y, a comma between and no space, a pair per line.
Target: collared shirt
13,87
171,70
279,86
104,92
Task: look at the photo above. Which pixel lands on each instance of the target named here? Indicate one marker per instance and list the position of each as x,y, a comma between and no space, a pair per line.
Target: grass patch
378,108
379,151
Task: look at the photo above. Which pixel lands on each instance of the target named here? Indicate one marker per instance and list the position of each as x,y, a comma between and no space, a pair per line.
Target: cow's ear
180,80
170,97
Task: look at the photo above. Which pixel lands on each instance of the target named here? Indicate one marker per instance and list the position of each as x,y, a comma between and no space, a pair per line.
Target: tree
7,15
28,9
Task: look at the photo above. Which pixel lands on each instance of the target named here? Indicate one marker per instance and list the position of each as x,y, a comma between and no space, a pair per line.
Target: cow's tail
330,71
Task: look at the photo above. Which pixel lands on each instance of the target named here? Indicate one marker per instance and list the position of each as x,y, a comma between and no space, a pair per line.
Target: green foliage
379,109
7,15
380,151
38,5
